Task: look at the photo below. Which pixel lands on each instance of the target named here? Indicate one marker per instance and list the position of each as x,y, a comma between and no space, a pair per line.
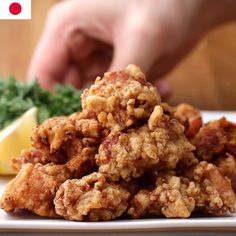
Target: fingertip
164,88
133,51
73,77
46,83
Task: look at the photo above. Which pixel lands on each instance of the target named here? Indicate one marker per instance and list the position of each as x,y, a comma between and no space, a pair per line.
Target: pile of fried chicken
126,154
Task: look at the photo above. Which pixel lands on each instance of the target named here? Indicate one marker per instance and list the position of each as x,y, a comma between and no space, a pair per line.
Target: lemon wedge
16,137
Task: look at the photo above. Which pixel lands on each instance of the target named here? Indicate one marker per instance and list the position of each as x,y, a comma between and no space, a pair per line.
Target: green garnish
17,97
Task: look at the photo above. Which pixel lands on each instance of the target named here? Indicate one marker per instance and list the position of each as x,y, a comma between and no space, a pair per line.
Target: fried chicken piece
69,152
173,197
35,185
82,160
88,128
120,99
28,156
169,133
161,144
87,125
91,198
127,155
68,136
216,196
47,141
216,143
34,189
54,133
190,117
171,141
227,166
215,138
82,163
34,156
203,189
84,114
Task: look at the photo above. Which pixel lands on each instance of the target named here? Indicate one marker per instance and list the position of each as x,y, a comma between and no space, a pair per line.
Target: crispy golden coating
127,155
91,198
82,163
170,139
173,197
216,196
205,189
214,138
77,151
68,137
34,189
190,117
216,143
32,156
35,185
121,99
55,132
227,166
48,139
161,144
87,126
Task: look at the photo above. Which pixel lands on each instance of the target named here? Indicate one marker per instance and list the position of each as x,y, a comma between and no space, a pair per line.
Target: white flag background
15,9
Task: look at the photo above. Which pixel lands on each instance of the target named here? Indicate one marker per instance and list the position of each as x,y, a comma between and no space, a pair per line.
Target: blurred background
206,78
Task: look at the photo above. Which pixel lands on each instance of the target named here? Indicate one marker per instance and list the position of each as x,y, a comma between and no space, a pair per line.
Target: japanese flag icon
15,9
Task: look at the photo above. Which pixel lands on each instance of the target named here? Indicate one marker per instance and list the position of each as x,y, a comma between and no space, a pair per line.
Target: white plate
20,224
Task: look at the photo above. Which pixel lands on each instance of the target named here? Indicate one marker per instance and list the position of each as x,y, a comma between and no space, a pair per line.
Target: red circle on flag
15,8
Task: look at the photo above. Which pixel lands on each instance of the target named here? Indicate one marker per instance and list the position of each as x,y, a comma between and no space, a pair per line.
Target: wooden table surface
206,78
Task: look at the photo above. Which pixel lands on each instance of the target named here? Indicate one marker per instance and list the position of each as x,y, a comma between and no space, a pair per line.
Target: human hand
83,39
